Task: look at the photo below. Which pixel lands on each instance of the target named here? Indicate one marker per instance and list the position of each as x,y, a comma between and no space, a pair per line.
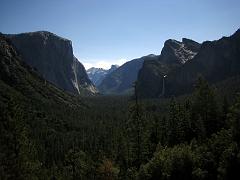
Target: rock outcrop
216,61
52,56
182,64
173,55
179,52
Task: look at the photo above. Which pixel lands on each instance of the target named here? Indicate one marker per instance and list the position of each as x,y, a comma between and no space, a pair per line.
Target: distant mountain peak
94,68
151,55
96,75
114,66
120,81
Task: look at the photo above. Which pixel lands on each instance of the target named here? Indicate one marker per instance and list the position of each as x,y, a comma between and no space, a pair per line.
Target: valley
170,116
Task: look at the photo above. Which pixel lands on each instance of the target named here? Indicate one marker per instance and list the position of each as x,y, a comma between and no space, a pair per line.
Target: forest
196,136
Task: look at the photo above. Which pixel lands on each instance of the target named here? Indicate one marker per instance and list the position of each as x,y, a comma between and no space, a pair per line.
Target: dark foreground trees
212,153
196,137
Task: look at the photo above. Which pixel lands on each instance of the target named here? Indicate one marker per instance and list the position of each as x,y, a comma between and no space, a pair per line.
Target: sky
105,32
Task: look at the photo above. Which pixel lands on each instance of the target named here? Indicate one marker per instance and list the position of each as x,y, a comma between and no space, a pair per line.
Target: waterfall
163,86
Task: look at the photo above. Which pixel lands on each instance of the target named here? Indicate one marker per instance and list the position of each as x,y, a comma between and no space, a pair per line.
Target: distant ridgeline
121,80
96,75
149,70
52,56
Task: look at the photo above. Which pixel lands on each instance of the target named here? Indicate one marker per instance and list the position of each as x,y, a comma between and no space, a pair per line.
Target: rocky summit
179,52
216,61
181,63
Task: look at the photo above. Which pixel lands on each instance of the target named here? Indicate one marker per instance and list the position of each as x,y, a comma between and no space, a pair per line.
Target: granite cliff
52,56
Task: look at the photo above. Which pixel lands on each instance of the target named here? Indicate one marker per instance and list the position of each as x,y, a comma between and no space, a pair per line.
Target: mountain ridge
121,80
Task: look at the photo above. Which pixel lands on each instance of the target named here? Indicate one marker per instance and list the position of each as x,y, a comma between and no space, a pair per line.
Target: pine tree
205,108
135,129
234,120
172,126
78,164
230,158
224,111
184,123
19,159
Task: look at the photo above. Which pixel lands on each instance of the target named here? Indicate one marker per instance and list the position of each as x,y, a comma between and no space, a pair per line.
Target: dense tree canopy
194,137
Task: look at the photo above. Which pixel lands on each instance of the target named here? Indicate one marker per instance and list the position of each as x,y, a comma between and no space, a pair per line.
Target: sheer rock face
184,62
173,55
52,56
179,52
216,61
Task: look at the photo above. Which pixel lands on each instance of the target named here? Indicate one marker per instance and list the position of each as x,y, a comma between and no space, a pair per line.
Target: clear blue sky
107,32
